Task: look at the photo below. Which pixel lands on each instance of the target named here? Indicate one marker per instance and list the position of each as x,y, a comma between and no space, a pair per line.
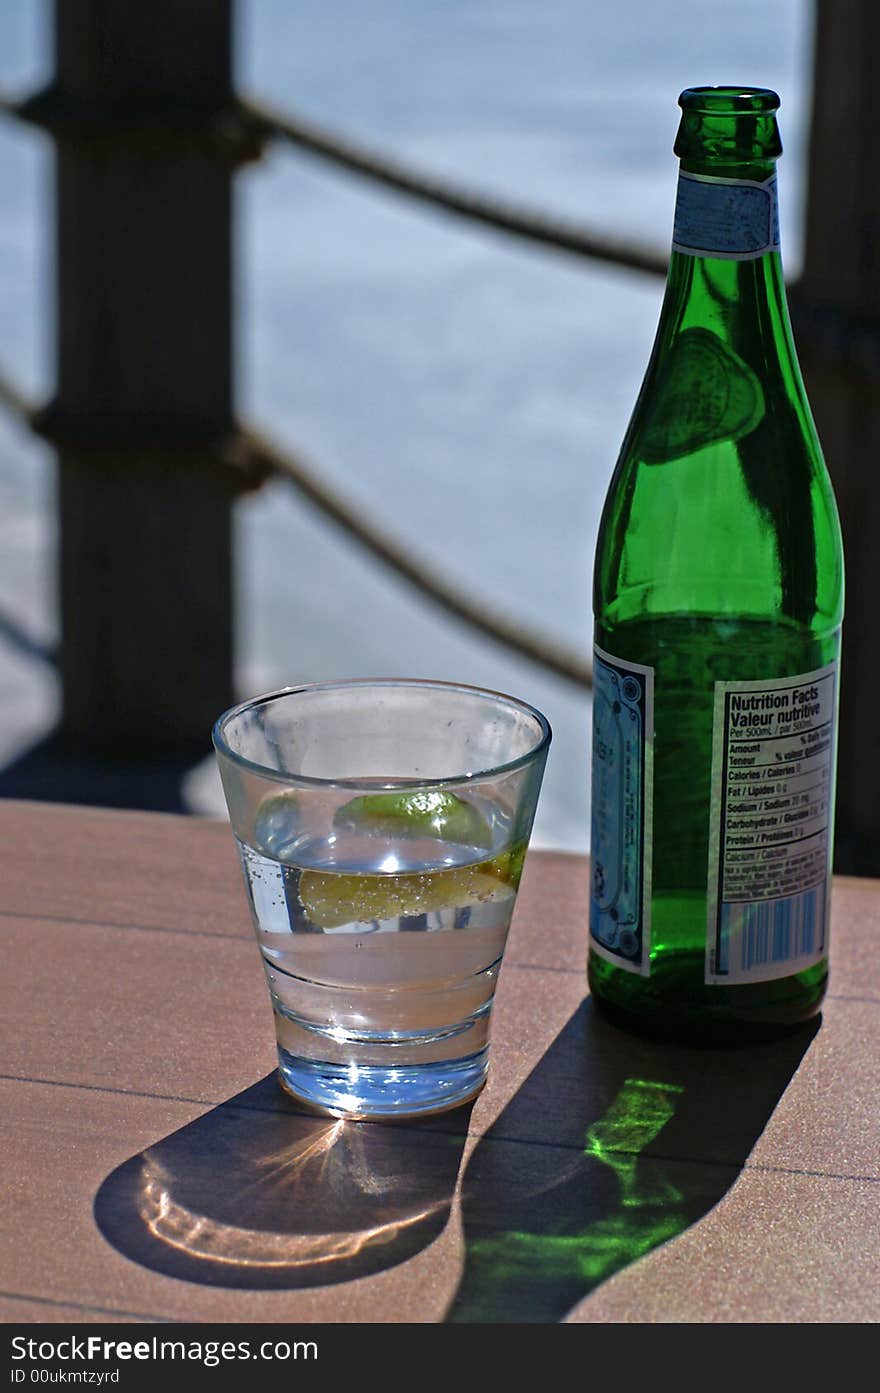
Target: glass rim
222,747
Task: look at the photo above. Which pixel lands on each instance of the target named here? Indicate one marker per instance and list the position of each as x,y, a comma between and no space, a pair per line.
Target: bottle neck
726,215
724,344
725,269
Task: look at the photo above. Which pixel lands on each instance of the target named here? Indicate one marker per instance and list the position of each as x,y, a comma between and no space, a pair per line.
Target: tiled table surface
154,1171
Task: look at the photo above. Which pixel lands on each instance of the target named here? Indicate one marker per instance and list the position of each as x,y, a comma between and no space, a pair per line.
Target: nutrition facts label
772,789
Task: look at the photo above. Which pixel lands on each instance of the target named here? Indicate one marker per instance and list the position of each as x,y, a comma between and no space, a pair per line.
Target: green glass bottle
718,602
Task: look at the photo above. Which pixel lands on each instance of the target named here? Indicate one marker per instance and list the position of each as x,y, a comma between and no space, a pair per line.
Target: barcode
772,931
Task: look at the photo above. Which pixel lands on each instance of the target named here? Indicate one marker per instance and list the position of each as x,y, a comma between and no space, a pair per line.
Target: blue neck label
732,219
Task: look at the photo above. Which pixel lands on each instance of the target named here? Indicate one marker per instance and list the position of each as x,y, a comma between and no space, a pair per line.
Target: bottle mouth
729,126
729,101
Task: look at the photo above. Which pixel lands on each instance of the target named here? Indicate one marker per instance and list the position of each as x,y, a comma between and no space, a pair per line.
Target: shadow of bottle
256,1194
613,1146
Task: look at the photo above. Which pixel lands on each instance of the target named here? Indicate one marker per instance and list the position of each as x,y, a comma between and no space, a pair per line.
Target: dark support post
836,314
143,414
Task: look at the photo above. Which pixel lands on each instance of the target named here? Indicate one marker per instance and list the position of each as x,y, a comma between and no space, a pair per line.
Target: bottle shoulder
740,521
720,501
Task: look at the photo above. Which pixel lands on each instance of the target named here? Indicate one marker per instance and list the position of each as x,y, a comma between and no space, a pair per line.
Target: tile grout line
243,937
110,1090
115,924
84,1306
474,1136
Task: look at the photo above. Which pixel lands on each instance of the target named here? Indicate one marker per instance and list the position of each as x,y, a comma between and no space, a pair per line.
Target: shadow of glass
256,1194
613,1146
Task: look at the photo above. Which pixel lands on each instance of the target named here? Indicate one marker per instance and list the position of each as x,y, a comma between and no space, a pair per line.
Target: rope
258,450
501,628
262,122
11,632
16,403
555,233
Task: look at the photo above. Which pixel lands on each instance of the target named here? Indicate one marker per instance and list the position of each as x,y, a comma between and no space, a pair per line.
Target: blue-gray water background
468,391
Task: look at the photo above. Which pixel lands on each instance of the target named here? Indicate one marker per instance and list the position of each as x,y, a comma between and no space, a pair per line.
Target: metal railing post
836,311
144,398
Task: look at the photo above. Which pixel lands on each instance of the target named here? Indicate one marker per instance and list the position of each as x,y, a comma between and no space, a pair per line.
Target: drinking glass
382,827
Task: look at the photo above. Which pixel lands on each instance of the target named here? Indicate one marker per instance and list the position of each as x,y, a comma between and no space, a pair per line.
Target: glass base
370,1092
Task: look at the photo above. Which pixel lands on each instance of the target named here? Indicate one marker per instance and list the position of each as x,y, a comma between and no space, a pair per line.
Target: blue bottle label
732,219
621,802
770,831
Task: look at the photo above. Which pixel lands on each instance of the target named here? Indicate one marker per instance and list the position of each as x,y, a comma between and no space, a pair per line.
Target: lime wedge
416,813
508,865
331,899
